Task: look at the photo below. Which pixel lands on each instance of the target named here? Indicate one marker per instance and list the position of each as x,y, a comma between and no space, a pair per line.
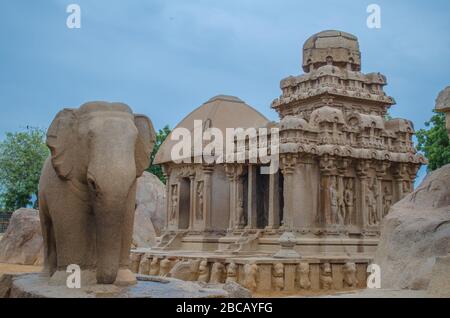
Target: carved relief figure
203,272
372,203
334,204
199,214
174,202
326,278
217,272
303,275
278,277
387,200
154,266
231,273
349,271
251,273
349,200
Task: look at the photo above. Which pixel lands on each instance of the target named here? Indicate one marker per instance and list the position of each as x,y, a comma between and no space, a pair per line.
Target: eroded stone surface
22,243
150,211
416,232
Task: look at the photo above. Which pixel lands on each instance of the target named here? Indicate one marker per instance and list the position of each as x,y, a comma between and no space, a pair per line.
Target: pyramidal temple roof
222,112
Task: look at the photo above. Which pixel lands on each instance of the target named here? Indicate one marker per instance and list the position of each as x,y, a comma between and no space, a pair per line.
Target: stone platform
36,286
257,272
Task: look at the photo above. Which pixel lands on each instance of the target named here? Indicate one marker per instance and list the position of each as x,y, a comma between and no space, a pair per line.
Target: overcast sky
164,58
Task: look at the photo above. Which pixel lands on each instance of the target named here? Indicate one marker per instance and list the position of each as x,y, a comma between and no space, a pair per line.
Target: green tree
157,169
434,143
22,155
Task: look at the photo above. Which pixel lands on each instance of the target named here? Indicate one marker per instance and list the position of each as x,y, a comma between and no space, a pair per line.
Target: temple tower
344,163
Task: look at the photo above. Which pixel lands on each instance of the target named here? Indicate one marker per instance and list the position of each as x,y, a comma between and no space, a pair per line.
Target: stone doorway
262,202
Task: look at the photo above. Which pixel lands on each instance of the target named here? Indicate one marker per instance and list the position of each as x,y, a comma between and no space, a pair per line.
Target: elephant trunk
109,220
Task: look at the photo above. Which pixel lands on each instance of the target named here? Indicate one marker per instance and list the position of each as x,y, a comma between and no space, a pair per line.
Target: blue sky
166,57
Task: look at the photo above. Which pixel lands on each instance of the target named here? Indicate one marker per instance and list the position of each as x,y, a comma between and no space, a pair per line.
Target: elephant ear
144,144
61,138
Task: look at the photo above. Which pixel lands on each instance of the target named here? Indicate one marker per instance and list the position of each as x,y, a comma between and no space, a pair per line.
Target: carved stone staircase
170,240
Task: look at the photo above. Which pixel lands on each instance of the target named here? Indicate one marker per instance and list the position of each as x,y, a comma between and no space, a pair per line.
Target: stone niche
342,165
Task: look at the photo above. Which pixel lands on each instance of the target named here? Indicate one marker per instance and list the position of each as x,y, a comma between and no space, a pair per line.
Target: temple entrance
262,202
185,204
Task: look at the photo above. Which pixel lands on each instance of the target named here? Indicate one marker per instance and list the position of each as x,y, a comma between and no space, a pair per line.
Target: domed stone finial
332,47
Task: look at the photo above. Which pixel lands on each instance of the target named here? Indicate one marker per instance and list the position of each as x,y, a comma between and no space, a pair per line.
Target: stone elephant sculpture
87,190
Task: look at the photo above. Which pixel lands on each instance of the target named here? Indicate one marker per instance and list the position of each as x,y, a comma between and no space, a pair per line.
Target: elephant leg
124,275
74,229
48,237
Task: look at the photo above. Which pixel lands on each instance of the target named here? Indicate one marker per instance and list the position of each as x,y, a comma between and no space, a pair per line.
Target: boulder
415,233
22,242
150,210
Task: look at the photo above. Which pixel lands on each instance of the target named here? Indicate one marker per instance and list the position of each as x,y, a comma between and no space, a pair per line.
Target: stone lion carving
203,272
144,266
349,271
326,278
87,189
164,267
231,273
250,278
303,276
278,277
217,272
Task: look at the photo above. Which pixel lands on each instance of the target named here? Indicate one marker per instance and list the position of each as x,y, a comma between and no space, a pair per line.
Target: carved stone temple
314,224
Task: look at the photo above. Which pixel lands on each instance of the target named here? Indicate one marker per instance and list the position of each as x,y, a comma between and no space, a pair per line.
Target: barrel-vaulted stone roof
220,112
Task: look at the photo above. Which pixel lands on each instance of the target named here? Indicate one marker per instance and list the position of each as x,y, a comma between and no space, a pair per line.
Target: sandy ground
14,269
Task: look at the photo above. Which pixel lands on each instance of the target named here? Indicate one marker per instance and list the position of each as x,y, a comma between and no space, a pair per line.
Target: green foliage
22,155
157,169
434,142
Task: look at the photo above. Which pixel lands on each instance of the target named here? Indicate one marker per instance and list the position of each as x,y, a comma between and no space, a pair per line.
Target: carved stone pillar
400,174
288,166
168,205
207,190
362,170
381,169
251,207
274,204
230,172
234,173
192,201
240,218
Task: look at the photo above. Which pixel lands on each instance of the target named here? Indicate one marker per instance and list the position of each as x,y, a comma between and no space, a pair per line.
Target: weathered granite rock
440,278
5,285
22,243
150,210
416,232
